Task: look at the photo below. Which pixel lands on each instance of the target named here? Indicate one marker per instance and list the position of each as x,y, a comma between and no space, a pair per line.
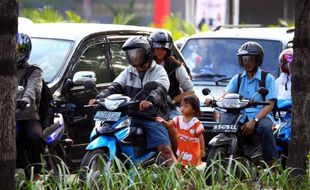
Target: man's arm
185,83
34,86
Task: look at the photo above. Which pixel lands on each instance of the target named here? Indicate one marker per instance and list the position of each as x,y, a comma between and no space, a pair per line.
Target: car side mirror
81,76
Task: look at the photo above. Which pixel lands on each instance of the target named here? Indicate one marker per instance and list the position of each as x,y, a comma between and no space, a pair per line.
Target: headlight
230,101
112,104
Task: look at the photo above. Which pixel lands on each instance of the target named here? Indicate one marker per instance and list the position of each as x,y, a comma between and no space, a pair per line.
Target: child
188,132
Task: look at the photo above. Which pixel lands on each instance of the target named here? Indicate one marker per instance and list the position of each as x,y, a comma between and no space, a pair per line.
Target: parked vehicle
114,136
212,59
70,53
283,128
229,144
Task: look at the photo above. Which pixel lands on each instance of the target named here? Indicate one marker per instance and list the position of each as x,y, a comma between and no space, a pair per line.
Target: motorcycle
55,140
282,129
229,144
114,137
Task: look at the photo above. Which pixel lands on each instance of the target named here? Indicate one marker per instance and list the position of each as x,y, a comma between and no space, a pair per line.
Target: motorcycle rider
131,81
258,119
284,81
180,80
30,142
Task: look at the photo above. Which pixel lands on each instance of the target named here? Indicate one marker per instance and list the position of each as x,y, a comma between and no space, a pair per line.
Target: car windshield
50,55
216,59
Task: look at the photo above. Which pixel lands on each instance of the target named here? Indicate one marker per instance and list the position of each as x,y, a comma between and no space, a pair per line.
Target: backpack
46,104
262,82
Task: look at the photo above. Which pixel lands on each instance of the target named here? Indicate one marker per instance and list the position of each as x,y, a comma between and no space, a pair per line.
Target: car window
93,59
50,55
211,59
119,61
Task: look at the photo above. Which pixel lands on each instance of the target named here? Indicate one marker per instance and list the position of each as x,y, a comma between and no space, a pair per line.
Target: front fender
108,142
225,140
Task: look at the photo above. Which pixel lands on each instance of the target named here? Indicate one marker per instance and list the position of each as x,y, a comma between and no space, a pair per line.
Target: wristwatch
256,119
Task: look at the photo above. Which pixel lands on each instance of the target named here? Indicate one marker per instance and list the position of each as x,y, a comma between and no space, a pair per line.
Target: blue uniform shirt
248,88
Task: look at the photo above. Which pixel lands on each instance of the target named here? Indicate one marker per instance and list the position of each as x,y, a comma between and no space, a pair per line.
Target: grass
241,176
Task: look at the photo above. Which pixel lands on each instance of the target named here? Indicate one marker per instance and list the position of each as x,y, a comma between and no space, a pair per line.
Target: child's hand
160,120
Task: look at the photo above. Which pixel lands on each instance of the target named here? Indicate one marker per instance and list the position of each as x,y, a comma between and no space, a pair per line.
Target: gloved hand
21,104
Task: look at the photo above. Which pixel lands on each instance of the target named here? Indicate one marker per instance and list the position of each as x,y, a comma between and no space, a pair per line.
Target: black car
70,53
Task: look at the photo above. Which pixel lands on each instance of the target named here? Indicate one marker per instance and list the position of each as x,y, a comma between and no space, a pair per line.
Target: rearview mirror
206,91
81,76
263,91
150,85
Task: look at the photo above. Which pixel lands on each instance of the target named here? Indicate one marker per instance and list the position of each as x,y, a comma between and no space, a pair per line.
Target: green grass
119,176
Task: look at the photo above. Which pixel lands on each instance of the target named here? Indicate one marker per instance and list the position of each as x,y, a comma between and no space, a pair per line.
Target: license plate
223,128
107,116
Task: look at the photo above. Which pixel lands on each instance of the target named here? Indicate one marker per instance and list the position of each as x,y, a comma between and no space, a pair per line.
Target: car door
92,58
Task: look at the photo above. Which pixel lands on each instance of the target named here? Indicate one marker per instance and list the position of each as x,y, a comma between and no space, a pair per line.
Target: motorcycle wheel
216,165
94,163
54,161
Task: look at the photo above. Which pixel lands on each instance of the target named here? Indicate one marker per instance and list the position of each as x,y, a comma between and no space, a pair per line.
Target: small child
188,132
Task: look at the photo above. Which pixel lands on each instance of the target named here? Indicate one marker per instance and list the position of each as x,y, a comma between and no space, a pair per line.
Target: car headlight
112,104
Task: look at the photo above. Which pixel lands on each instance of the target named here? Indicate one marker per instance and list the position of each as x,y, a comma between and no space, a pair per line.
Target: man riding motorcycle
258,119
131,81
30,143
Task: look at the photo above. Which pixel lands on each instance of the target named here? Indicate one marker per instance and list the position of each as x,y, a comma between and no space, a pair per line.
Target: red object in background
161,10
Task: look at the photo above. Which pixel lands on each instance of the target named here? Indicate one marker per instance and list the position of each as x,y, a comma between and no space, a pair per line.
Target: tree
300,140
8,29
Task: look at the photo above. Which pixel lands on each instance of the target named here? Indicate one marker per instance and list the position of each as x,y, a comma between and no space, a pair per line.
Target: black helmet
137,48
251,48
161,39
23,47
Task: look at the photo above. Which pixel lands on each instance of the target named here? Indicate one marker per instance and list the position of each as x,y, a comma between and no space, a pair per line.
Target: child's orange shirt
189,152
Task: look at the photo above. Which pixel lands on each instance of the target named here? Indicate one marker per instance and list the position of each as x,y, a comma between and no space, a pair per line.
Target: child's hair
194,102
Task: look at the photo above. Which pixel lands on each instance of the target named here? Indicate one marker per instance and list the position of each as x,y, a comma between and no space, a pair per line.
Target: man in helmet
29,134
283,82
179,77
131,81
258,119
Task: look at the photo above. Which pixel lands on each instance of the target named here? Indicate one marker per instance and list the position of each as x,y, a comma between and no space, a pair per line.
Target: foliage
119,176
284,23
50,15
179,28
123,14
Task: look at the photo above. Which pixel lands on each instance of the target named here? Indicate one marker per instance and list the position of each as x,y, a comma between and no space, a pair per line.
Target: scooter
114,137
282,130
229,144
55,142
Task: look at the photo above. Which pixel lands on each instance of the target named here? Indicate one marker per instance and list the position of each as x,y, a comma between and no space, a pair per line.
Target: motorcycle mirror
263,91
206,91
150,85
90,84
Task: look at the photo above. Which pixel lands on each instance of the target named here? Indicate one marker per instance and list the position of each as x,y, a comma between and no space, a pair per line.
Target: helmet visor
165,45
135,57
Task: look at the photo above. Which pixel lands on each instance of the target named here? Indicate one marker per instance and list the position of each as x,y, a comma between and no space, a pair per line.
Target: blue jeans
267,139
156,133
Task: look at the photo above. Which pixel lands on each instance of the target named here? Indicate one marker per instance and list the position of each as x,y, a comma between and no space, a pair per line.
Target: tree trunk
8,83
300,140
